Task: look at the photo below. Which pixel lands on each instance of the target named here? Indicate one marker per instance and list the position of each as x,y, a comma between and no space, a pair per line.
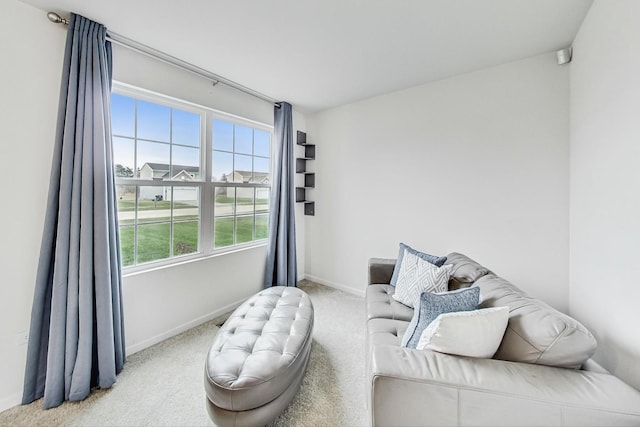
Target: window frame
206,185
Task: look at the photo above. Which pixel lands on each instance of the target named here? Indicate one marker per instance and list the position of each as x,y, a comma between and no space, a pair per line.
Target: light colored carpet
164,384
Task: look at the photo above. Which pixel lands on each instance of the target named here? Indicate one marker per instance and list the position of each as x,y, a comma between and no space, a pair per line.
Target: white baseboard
10,401
134,348
339,286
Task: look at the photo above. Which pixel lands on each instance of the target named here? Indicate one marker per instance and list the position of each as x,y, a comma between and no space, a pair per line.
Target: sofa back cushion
465,271
536,332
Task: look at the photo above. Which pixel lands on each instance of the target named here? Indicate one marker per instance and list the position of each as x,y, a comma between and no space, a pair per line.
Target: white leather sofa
409,387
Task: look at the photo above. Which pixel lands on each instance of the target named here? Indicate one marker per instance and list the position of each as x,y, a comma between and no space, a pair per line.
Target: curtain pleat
76,338
281,269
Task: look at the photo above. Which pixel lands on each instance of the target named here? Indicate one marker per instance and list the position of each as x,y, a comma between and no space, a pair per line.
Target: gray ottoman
258,358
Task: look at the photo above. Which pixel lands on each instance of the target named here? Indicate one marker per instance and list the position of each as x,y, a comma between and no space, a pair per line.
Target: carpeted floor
163,385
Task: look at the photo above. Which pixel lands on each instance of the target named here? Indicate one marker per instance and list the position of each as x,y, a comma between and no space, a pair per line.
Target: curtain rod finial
57,19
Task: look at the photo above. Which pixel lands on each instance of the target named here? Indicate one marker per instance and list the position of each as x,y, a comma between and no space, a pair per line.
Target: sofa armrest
413,387
381,270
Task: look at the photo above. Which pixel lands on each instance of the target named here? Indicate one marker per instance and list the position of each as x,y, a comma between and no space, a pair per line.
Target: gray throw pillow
435,260
432,305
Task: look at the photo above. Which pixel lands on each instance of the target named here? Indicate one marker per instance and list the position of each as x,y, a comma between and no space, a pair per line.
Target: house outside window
190,181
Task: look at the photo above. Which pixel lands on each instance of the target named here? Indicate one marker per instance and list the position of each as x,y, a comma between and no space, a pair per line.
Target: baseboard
134,348
10,401
339,286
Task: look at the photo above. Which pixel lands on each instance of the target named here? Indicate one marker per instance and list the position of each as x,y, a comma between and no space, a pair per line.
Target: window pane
262,226
154,204
186,128
243,139
222,166
261,143
153,121
244,200
225,200
185,238
242,168
153,242
123,116
222,135
127,244
123,150
153,160
262,199
222,232
186,163
244,229
261,170
186,203
126,204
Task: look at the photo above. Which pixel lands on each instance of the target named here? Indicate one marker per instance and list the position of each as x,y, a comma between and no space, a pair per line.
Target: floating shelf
309,177
310,208
301,138
301,165
309,152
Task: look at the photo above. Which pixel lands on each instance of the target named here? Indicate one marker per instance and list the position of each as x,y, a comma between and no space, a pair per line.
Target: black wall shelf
309,177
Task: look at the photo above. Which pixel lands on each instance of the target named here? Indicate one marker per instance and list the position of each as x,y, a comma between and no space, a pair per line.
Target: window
189,180
241,175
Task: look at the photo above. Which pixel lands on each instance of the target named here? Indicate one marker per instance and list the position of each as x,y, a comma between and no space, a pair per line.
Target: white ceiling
324,53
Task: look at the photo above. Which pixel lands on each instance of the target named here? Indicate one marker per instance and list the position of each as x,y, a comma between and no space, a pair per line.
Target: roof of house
165,167
255,174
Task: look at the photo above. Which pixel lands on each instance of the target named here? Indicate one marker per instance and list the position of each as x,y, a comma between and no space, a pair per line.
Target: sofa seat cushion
380,304
385,331
536,332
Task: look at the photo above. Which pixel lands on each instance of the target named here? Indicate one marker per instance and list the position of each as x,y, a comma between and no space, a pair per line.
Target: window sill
188,259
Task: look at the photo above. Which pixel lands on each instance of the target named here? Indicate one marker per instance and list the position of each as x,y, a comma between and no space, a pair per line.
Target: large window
190,181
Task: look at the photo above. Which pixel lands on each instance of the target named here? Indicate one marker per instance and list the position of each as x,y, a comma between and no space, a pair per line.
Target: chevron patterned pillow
417,276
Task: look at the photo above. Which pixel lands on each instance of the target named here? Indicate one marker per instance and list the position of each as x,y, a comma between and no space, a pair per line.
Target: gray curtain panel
76,338
281,267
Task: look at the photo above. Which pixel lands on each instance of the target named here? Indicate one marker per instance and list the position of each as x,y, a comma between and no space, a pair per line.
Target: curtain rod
171,60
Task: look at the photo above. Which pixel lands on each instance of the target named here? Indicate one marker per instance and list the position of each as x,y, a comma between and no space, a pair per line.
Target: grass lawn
154,240
223,230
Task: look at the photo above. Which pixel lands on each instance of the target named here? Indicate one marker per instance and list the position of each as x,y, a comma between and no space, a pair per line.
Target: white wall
476,163
605,183
158,303
30,76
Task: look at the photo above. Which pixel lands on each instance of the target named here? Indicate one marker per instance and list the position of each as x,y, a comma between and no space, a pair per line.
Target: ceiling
324,53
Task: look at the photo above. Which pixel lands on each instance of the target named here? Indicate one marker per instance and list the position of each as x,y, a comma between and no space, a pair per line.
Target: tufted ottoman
258,358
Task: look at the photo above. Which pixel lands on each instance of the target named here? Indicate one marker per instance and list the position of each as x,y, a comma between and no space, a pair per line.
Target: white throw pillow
418,276
476,333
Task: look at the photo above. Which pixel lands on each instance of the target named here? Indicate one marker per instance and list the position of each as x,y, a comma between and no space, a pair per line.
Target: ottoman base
259,416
